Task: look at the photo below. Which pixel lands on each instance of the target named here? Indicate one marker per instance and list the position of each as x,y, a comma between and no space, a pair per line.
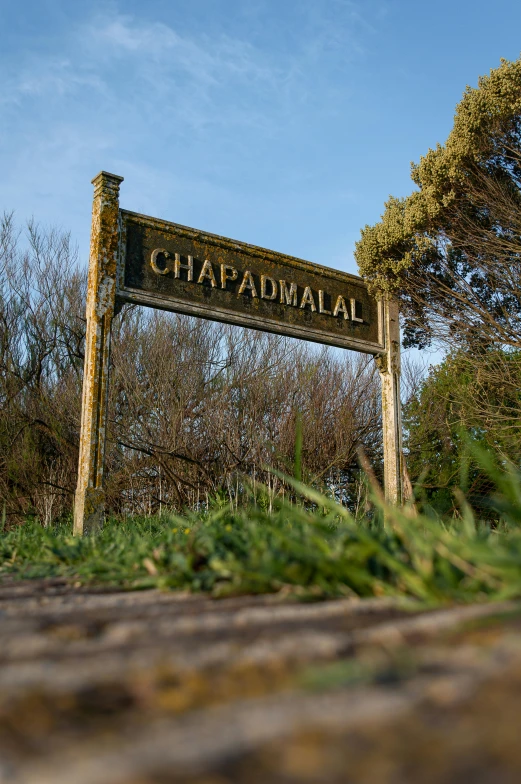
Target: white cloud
165,104
207,59
212,78
57,76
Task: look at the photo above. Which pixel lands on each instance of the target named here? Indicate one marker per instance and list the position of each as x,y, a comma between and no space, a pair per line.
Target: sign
173,267
146,261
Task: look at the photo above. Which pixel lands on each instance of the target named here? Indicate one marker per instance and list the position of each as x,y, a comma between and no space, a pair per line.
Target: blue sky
284,123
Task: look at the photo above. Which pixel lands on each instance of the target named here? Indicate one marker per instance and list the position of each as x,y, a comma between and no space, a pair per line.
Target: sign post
89,502
389,366
142,260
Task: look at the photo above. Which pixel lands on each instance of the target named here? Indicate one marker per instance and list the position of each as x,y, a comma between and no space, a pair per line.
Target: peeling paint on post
89,502
389,366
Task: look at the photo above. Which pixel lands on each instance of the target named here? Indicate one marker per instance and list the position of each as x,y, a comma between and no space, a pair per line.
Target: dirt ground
105,687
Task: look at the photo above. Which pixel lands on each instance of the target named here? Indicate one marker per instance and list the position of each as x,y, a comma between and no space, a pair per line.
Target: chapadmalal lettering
251,284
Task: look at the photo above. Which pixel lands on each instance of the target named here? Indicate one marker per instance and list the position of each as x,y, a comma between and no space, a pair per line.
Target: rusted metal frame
389,367
89,504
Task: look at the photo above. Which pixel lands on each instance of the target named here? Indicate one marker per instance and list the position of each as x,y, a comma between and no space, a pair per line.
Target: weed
315,548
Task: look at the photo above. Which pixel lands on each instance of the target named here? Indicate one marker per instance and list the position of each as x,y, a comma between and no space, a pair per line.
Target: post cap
113,179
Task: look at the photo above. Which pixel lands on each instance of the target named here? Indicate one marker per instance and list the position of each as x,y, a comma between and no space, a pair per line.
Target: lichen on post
389,367
89,506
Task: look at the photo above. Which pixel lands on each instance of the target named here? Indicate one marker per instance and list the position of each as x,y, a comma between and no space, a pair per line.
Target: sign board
146,261
173,267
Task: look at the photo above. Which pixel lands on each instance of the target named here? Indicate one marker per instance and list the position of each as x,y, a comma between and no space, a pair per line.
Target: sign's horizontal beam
172,267
246,320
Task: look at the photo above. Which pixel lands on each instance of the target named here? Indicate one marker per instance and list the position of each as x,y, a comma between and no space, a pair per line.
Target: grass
316,549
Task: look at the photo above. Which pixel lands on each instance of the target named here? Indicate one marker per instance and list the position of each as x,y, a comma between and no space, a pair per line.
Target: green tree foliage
468,396
452,249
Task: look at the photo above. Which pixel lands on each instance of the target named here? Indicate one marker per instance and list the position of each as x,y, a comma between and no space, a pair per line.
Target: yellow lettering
225,269
341,307
273,283
188,267
354,317
248,283
307,299
321,308
207,273
288,296
153,261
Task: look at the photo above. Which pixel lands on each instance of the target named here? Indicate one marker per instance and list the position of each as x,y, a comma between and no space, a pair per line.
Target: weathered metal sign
147,261
173,267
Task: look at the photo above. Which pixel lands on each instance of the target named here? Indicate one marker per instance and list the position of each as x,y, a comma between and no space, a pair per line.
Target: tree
468,395
451,250
199,406
42,294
